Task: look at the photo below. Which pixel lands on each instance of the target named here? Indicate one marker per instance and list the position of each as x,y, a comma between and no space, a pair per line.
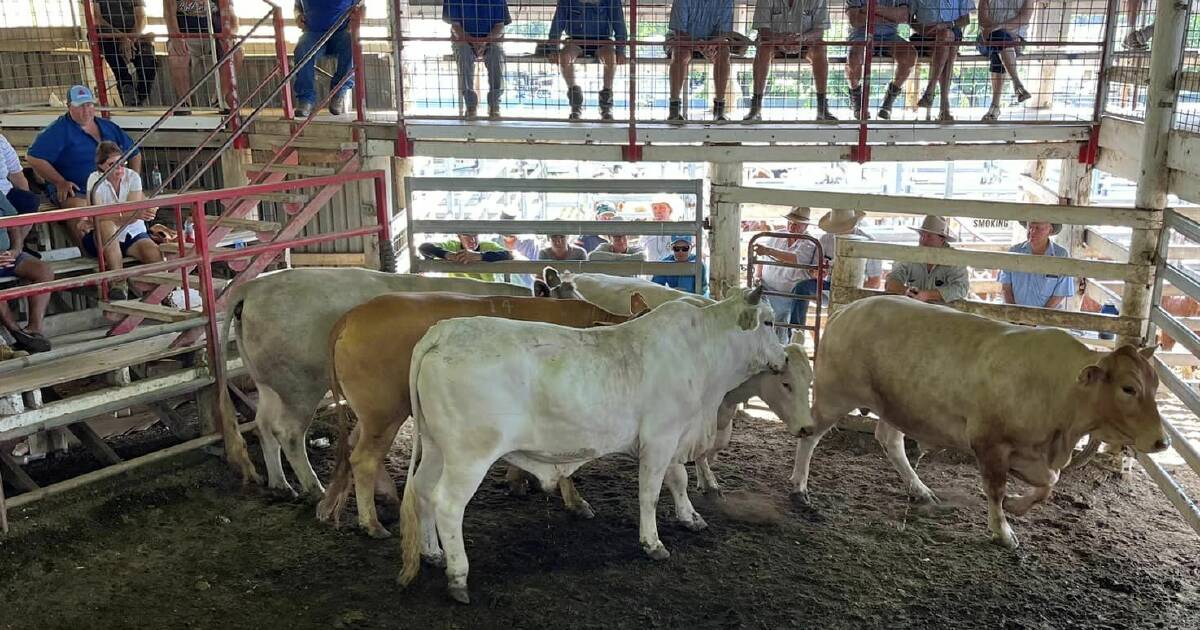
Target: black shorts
917,39
587,51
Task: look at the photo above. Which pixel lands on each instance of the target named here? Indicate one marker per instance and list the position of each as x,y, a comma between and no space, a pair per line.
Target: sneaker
337,105
30,341
303,109
993,114
926,100
494,111
675,114
117,294
719,111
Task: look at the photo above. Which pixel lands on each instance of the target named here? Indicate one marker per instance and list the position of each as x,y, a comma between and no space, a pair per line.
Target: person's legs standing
146,69
464,56
341,47
304,87
799,312
493,59
115,56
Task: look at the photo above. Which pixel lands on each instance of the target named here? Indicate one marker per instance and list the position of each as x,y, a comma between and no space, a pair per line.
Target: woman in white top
121,185
1002,28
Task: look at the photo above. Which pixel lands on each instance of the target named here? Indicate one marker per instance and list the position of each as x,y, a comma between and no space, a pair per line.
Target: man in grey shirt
617,248
930,283
561,249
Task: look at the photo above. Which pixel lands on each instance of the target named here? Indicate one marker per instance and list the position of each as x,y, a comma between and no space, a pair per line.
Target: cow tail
235,447
410,526
331,505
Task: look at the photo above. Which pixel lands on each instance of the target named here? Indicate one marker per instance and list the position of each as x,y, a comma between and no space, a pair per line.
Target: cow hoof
658,552
802,497
377,531
1005,538
283,493
387,512
459,594
583,510
924,495
697,523
434,560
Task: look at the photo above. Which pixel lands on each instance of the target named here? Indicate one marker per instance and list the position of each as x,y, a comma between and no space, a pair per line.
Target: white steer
612,293
549,399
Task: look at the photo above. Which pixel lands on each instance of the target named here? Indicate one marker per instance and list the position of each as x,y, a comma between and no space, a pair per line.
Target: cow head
1123,388
755,316
556,286
786,392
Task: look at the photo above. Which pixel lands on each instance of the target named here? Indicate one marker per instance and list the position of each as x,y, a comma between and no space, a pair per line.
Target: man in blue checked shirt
937,29
589,20
887,43
476,28
791,27
1037,289
702,26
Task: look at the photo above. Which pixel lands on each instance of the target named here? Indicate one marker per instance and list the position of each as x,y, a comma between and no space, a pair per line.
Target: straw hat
840,221
935,225
799,214
1055,228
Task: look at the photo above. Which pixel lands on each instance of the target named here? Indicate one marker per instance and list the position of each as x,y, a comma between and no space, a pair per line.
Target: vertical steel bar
216,354
633,75
93,36
865,102
1110,36
360,71
181,239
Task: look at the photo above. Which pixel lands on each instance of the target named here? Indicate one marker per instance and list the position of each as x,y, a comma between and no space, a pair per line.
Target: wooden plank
16,475
1104,247
174,280
995,260
300,259
267,142
172,420
156,312
292,169
1017,314
90,364
252,225
1083,215
280,197
94,443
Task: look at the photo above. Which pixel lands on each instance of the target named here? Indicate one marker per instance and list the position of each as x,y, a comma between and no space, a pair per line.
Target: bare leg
892,441
608,57
854,64
35,270
905,57
681,57
180,66
1008,57
566,63
947,77
721,72
763,56
820,66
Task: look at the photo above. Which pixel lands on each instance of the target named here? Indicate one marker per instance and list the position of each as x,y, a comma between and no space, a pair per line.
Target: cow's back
929,369
613,293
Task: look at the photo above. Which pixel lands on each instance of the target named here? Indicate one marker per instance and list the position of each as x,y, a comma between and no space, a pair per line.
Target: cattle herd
592,365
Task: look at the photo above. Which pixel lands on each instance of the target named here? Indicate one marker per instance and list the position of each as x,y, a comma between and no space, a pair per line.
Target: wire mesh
41,53
1187,106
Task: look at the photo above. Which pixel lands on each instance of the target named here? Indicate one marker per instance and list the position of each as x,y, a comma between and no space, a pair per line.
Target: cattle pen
132,451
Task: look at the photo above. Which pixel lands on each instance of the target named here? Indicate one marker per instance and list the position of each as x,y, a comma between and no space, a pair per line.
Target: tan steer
370,350
1020,398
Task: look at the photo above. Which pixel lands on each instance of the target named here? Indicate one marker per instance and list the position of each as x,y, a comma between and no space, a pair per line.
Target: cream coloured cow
1019,398
612,293
282,320
651,388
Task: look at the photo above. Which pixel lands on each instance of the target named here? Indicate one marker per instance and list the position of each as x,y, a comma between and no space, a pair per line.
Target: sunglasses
682,248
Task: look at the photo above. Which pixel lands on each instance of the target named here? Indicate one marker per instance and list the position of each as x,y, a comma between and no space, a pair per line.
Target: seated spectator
791,27
888,43
193,18
937,28
605,211
16,263
792,280
1002,28
845,223
589,20
681,251
122,234
64,154
315,18
467,249
658,247
701,26
1037,289
124,41
476,27
617,248
560,249
930,283
15,187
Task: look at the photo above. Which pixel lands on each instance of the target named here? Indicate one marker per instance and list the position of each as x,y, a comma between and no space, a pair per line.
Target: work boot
856,102
755,112
1139,39
575,98
494,104
606,104
885,110
719,111
823,108
303,109
675,115
470,104
337,105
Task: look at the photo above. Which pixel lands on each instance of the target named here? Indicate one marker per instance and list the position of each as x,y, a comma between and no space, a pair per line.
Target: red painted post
181,240
360,71
216,355
862,152
281,57
228,72
633,152
93,36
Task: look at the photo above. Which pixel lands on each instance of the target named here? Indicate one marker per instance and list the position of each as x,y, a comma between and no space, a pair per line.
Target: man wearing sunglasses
681,251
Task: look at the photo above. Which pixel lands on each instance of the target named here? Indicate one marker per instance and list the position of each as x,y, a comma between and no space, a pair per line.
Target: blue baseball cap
79,95
676,238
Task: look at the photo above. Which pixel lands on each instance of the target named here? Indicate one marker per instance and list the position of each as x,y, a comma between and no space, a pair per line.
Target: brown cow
370,350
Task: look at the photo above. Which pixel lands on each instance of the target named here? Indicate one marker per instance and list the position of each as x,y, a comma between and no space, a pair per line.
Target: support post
725,244
1075,188
1153,179
401,168
848,273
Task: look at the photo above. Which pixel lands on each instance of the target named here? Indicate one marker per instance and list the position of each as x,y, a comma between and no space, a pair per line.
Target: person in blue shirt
681,251
1037,289
937,29
316,17
589,20
64,153
700,26
477,30
887,43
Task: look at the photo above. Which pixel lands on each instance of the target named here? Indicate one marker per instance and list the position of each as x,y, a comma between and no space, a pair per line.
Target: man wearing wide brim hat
929,282
840,222
1037,289
790,280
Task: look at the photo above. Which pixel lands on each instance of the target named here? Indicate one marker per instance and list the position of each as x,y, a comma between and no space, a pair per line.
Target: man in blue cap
316,17
681,251
64,154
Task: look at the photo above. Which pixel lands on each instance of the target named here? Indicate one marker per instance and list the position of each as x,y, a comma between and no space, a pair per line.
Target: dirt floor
182,546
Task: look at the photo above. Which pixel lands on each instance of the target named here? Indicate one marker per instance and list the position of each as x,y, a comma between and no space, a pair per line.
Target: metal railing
818,271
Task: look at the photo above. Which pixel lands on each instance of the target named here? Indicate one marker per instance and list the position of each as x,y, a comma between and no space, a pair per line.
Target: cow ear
551,276
541,289
1091,375
1148,352
637,304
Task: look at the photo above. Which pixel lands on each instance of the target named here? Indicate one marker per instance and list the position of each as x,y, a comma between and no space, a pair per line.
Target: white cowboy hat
935,225
1055,228
799,214
840,221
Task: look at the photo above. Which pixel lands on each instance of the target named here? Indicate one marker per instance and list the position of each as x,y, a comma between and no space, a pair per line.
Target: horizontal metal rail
617,267
1190,399
1175,494
1189,228
632,228
492,184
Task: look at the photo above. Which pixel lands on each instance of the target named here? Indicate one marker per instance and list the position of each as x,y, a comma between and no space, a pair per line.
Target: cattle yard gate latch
817,270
